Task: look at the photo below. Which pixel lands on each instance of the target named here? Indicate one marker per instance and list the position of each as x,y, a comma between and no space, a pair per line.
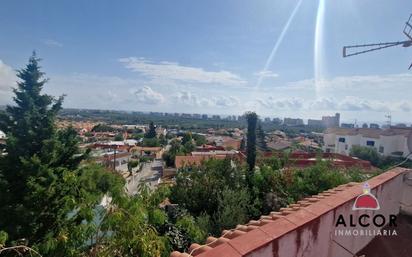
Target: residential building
401,125
388,142
279,145
292,122
347,125
303,160
277,121
153,152
331,121
186,115
161,131
315,123
226,142
374,126
196,158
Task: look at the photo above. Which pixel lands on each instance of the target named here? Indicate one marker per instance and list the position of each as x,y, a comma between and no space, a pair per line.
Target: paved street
150,174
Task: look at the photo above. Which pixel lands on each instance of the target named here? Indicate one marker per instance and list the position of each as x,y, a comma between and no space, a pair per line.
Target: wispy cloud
266,74
52,43
173,71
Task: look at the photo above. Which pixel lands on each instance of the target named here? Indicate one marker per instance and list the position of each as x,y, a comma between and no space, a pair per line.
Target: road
150,174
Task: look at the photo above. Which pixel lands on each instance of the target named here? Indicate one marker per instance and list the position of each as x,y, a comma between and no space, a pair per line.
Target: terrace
308,227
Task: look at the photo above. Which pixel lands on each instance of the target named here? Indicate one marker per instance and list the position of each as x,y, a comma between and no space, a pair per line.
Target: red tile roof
302,160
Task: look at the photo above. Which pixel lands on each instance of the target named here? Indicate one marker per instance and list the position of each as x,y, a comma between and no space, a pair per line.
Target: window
370,143
342,140
346,147
381,149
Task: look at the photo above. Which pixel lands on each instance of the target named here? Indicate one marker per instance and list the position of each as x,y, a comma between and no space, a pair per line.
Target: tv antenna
389,120
361,49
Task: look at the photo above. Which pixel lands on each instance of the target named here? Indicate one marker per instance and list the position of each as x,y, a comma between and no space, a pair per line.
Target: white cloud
191,99
283,103
174,72
226,101
52,43
7,81
323,104
266,74
187,98
147,95
404,106
349,103
373,83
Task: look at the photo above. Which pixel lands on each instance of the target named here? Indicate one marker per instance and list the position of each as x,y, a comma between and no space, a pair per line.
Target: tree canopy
251,118
151,133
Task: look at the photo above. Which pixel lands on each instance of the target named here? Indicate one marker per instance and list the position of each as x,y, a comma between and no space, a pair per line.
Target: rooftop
370,132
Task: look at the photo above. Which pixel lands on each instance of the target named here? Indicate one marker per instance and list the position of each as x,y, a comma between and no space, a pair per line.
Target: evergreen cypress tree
37,158
152,131
251,118
261,143
48,199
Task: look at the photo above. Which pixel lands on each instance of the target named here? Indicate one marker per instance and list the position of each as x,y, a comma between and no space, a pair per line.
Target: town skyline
281,58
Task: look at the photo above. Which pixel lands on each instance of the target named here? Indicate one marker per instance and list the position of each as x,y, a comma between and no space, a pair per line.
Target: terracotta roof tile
250,241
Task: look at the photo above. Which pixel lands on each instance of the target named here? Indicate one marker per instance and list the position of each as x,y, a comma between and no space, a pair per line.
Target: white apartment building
388,142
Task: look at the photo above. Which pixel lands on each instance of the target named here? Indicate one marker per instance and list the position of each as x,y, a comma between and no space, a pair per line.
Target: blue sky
209,56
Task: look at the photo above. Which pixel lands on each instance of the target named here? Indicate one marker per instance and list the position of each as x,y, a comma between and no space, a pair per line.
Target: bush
366,153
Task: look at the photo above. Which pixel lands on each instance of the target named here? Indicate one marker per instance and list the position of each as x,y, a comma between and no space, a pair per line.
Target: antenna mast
389,120
365,48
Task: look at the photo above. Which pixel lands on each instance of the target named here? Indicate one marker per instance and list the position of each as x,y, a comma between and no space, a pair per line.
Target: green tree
128,228
103,128
199,139
169,159
175,147
151,142
261,143
233,208
119,137
251,118
162,140
151,133
47,199
132,164
187,138
242,144
34,150
201,190
366,153
188,147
